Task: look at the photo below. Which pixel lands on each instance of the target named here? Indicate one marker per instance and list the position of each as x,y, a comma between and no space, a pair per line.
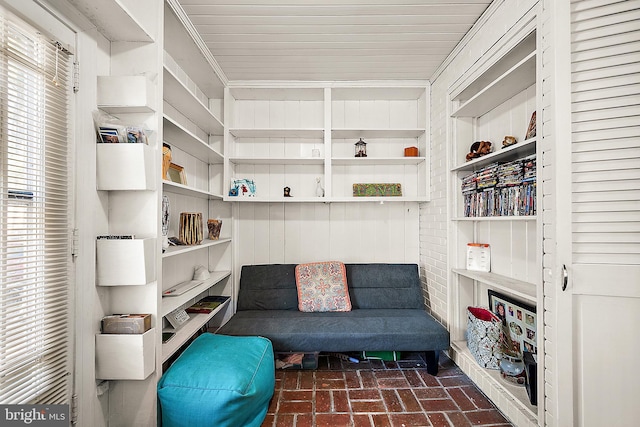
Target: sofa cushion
384,286
268,287
356,330
322,286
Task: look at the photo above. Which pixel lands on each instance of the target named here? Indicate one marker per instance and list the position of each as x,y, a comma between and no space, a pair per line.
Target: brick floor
379,394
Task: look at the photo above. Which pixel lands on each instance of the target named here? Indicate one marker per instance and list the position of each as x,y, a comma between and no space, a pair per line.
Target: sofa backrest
376,285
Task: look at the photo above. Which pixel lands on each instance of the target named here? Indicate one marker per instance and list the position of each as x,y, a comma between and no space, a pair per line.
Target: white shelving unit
289,136
494,100
193,127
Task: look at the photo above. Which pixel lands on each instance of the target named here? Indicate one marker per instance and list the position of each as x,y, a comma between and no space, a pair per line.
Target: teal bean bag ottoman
218,381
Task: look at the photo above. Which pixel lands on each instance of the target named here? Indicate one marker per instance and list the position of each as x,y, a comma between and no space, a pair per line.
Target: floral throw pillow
322,286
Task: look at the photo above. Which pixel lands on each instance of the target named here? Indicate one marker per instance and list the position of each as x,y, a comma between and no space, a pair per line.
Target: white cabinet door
598,220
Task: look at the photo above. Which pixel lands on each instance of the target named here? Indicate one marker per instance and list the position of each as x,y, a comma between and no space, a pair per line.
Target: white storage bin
125,262
125,356
126,94
125,166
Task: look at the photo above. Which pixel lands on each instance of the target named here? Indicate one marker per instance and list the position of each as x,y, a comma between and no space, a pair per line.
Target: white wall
307,232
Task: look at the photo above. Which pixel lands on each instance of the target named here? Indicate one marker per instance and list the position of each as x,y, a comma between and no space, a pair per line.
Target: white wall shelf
184,45
515,80
178,95
495,218
289,127
518,288
171,303
513,152
515,402
277,133
125,356
195,322
366,161
176,135
118,20
276,160
174,187
376,133
206,243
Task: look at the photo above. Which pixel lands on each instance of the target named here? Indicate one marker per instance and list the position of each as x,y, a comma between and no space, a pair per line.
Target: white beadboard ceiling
331,40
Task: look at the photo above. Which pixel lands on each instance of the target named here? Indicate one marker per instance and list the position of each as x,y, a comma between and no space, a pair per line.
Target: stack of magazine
207,304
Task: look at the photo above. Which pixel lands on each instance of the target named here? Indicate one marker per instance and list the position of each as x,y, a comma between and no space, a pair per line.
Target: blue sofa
387,313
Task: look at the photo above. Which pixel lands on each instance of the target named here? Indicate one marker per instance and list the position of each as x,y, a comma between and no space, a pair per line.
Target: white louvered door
599,312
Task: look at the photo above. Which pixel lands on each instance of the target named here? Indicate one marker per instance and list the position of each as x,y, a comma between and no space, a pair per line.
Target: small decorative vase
165,222
512,370
190,228
319,189
214,226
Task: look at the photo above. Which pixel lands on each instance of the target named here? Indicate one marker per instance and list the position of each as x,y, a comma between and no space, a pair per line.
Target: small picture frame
531,130
176,174
518,317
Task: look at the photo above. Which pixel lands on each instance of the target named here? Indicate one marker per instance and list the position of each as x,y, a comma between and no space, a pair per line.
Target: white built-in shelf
278,93
491,384
281,199
308,133
388,199
176,135
380,199
174,187
179,96
186,331
206,243
116,19
353,133
377,160
517,288
512,152
496,218
183,43
171,303
390,93
513,81
277,160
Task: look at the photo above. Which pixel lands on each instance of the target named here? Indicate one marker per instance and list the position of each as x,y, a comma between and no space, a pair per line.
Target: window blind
35,256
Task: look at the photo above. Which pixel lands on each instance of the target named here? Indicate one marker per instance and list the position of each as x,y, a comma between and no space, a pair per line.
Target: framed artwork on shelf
518,317
176,174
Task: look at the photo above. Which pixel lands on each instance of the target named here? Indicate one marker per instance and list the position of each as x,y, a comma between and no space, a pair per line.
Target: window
35,259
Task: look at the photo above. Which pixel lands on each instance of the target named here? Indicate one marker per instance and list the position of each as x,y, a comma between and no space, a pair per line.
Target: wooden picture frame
176,174
531,130
520,319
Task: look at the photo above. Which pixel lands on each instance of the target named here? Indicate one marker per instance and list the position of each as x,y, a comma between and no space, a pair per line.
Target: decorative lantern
361,148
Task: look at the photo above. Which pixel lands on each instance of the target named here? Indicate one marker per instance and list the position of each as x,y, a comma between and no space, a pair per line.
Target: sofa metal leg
431,357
